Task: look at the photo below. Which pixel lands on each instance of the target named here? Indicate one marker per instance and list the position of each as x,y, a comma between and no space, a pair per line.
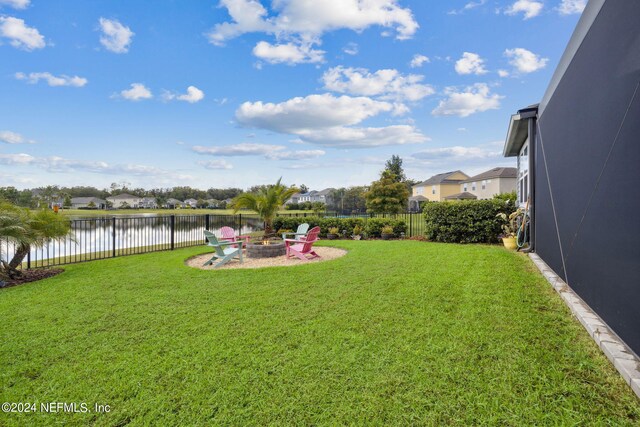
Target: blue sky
235,93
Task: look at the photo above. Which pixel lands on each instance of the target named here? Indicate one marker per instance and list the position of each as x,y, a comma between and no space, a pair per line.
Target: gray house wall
587,171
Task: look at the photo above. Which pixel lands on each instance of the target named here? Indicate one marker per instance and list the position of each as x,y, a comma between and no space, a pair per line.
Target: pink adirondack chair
229,235
302,248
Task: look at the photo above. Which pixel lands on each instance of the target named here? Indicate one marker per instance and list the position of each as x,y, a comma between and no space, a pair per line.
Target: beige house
490,183
438,187
120,200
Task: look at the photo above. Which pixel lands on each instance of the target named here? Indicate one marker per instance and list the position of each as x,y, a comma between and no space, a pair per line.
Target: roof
325,192
465,195
172,200
442,178
81,200
123,196
518,130
495,173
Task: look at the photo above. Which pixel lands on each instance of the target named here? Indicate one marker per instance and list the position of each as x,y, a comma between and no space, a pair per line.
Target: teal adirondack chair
300,234
223,254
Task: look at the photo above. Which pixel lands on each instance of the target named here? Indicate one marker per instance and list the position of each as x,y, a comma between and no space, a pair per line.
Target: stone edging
622,357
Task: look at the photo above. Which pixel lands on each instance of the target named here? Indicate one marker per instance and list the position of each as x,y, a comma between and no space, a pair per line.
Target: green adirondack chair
300,233
223,253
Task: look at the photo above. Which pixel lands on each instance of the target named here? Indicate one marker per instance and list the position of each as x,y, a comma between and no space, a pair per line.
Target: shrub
387,229
357,230
334,230
371,226
467,221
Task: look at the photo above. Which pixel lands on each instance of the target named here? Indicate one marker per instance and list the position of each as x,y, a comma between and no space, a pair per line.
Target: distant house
125,199
415,203
193,203
490,183
322,196
173,203
440,186
88,202
148,203
295,199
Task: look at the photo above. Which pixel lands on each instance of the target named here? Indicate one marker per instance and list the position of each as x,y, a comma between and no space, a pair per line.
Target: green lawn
394,333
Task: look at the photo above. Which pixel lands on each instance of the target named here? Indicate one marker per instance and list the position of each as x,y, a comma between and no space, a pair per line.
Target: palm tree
26,229
266,202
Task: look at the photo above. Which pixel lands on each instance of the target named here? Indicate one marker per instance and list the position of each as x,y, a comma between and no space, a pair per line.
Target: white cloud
419,60
503,73
386,84
352,137
288,53
242,149
530,8
9,137
308,19
525,61
474,99
456,153
298,25
58,164
469,6
327,120
470,63
137,92
295,155
16,4
115,36
192,96
20,35
569,7
216,164
271,152
351,48
61,80
310,112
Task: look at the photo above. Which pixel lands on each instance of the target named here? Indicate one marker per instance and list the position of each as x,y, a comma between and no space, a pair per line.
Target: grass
394,333
106,213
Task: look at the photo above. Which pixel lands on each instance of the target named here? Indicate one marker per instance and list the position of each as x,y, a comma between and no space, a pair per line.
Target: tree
387,195
266,202
303,188
27,229
394,165
318,207
91,205
67,201
354,199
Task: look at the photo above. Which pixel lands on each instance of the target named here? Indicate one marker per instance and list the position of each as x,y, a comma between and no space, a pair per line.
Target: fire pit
266,248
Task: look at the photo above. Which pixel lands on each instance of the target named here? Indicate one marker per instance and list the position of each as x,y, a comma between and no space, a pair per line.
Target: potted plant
387,232
509,228
357,232
333,233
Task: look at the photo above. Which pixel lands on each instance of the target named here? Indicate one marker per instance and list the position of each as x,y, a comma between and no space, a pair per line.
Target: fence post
207,222
113,237
410,225
173,232
239,223
29,259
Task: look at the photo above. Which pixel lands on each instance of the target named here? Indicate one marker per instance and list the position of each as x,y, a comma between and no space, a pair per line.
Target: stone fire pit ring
260,250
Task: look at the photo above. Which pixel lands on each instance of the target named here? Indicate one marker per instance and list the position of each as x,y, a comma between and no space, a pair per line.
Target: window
433,189
523,174
419,191
473,186
464,187
484,185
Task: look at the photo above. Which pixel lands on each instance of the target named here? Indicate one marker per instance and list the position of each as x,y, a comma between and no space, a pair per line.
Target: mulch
33,275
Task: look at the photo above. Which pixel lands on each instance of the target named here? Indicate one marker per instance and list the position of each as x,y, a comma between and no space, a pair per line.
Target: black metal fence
101,238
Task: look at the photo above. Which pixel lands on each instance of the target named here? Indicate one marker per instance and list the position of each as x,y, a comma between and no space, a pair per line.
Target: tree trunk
19,256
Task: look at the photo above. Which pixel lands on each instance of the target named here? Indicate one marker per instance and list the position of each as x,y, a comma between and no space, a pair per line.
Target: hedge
372,226
467,221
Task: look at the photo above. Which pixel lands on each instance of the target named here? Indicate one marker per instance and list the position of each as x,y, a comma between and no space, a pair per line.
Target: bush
468,221
371,226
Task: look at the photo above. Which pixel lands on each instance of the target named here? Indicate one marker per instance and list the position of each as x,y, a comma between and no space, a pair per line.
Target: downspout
532,130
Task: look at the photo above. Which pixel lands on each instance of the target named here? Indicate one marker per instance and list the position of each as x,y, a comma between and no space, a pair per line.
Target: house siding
586,161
